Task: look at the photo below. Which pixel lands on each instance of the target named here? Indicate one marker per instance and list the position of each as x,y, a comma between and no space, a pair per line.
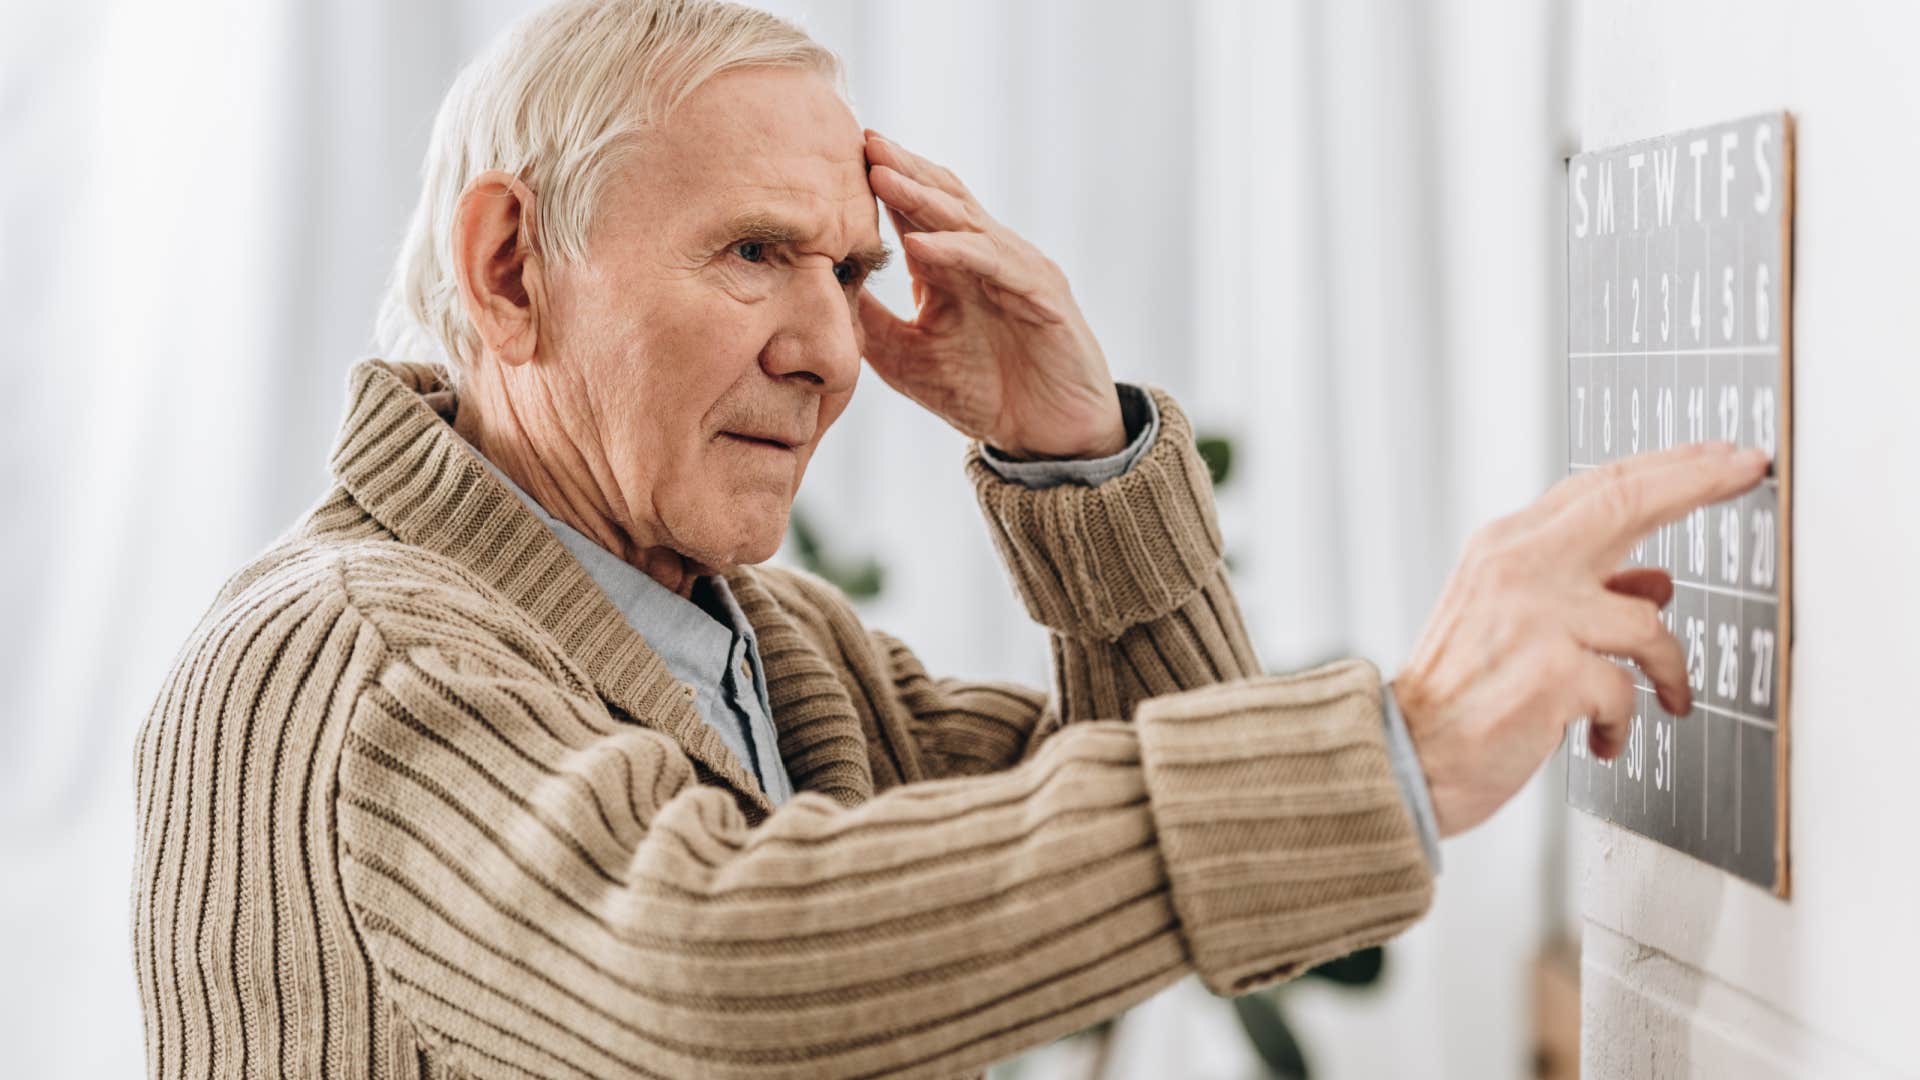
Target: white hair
555,101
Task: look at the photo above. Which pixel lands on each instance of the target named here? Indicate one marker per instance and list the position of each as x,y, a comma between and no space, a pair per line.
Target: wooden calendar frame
1695,230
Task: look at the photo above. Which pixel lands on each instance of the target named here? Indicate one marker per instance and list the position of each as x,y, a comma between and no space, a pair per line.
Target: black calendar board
1679,257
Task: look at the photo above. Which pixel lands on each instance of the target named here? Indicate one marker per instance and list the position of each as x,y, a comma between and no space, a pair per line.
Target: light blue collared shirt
718,658
712,649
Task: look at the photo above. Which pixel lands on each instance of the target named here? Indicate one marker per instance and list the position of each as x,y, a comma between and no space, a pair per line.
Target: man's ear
497,266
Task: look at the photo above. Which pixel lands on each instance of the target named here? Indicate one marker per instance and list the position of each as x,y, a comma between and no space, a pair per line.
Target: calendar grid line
1620,402
1639,548
1739,774
1748,719
1725,350
1673,803
1740,602
1766,483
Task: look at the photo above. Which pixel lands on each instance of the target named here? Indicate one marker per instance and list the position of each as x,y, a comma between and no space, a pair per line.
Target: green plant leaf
1217,452
1360,968
860,579
1272,1039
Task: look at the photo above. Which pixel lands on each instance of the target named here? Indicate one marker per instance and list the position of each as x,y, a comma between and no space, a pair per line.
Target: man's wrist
1108,436
1106,445
1140,420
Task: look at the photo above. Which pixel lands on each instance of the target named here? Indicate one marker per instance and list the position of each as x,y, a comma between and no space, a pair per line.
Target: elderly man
507,760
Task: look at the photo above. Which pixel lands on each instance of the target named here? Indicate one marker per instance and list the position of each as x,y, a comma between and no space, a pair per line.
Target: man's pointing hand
1518,645
998,346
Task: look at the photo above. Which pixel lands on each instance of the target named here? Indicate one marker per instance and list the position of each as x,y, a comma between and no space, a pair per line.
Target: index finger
1629,503
884,151
1583,483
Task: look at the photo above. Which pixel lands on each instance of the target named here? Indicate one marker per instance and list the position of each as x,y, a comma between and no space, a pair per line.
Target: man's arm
1141,415
546,888
965,727
962,727
1126,575
1128,578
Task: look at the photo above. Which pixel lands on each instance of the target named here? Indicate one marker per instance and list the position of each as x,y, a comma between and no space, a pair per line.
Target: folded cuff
1096,561
1284,831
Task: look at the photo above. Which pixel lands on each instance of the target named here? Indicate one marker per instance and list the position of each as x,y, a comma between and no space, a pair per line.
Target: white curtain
1327,227
198,204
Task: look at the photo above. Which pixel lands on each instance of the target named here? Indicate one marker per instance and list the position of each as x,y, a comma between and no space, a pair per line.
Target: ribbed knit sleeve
546,888
246,959
1127,576
1348,869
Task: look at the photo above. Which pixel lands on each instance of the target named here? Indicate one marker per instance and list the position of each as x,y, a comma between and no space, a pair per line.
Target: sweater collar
399,458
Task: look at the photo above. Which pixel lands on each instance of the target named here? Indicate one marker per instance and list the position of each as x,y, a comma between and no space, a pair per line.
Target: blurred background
1331,229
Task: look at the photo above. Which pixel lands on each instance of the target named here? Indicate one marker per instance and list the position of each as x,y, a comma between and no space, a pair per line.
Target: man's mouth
770,441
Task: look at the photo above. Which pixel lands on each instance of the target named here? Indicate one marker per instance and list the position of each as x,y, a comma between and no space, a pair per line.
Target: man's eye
846,271
751,250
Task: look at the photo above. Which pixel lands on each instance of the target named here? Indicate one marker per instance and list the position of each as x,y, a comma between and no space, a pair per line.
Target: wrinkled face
709,338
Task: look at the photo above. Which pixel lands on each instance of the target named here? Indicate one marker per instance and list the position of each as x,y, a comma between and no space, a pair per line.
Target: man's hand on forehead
998,346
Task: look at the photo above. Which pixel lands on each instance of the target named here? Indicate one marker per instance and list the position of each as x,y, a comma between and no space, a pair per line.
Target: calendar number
1730,544
1697,542
1694,320
1726,304
1633,417
1727,676
1666,306
1696,635
1606,419
1663,439
1636,755
1763,416
1696,413
1730,413
1580,417
1633,335
1762,312
1761,693
1763,548
1662,755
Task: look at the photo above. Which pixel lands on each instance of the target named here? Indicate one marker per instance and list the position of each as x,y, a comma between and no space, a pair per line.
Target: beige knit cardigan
415,800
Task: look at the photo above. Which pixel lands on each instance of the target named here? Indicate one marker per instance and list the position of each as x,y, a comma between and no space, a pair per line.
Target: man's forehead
815,196
776,145
794,212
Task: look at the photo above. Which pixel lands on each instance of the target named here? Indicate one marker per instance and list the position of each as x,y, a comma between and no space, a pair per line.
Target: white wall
1688,971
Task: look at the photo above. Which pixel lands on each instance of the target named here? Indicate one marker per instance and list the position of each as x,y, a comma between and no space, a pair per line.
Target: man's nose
816,343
